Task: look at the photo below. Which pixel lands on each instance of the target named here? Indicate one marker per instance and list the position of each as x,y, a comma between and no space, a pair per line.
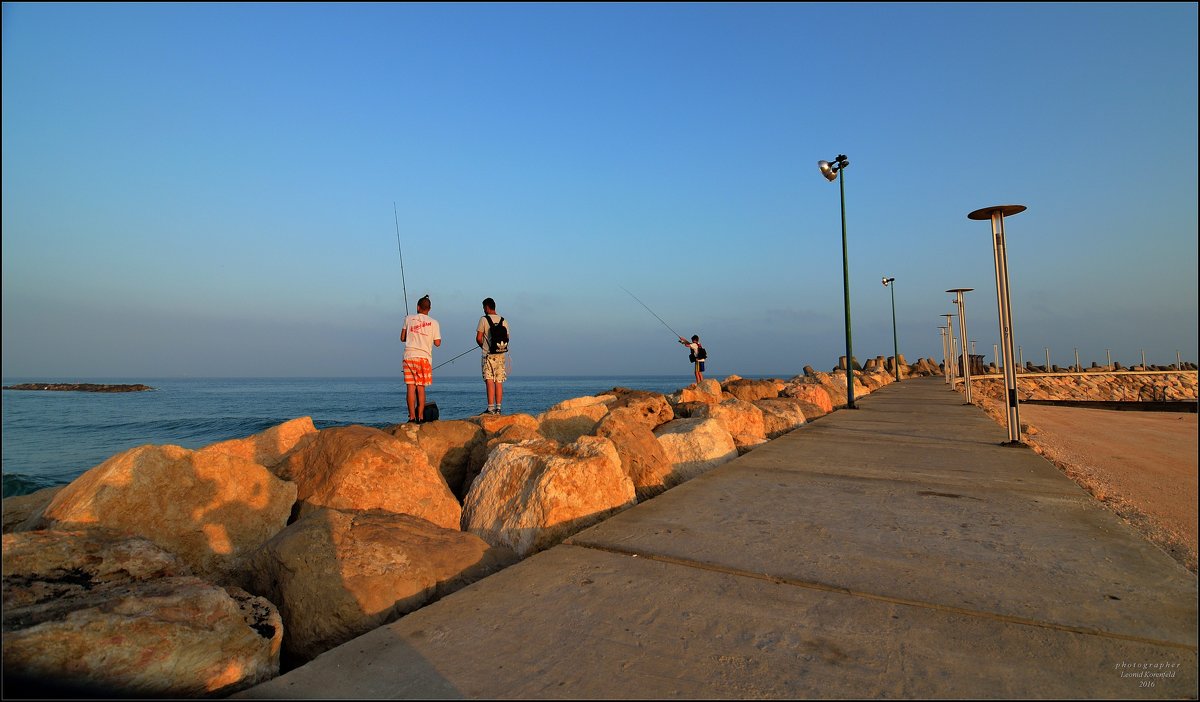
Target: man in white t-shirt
420,334
495,352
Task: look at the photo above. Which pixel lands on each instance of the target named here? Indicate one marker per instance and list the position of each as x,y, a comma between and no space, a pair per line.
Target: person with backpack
696,355
492,336
420,334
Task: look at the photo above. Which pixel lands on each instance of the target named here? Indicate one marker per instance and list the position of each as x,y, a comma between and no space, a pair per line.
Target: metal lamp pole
890,284
950,349
831,171
996,215
945,355
962,332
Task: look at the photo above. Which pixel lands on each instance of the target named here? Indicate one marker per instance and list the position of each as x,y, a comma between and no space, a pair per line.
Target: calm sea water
50,438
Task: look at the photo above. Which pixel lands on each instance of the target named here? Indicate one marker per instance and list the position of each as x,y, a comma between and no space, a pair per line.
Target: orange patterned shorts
418,371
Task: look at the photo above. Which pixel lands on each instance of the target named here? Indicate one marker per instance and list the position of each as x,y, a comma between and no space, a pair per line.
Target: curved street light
831,172
887,283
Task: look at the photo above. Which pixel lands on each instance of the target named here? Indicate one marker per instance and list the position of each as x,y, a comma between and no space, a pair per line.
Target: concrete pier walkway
896,550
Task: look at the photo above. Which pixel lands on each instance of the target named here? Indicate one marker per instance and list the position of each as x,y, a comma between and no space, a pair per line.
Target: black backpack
497,335
698,355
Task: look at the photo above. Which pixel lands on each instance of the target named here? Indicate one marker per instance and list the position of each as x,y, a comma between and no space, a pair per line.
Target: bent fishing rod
464,353
403,284
668,326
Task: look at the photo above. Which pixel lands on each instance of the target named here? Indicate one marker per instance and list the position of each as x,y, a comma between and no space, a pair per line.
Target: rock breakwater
1116,386
224,565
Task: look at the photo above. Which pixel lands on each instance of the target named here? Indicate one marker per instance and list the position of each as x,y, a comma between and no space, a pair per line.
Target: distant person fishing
697,354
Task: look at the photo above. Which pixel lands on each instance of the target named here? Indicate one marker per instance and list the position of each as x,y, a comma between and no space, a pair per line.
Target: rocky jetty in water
174,572
78,387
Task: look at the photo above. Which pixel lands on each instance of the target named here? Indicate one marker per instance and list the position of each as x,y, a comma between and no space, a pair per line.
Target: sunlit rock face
741,419
642,457
751,390
651,409
363,468
812,393
209,508
509,434
695,446
571,419
336,575
781,415
532,495
116,615
268,448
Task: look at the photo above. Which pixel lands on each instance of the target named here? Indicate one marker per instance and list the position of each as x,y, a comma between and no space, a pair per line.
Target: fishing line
668,326
403,284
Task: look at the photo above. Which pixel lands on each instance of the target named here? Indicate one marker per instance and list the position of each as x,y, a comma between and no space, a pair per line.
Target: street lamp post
1078,368
962,332
945,355
831,172
996,354
889,283
950,349
1047,359
996,215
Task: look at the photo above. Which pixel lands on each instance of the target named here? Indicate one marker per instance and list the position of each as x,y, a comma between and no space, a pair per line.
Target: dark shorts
700,366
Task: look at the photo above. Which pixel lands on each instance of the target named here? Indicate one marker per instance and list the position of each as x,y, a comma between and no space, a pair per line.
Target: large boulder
363,468
337,575
812,393
268,448
707,391
781,415
751,390
741,419
53,565
651,408
642,456
209,508
447,444
571,419
493,424
695,446
511,434
21,512
117,616
534,494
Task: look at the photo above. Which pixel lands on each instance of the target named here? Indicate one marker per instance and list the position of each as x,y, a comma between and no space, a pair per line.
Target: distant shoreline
78,387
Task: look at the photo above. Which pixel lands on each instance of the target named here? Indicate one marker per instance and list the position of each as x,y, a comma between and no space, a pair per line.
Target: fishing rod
464,353
668,326
403,284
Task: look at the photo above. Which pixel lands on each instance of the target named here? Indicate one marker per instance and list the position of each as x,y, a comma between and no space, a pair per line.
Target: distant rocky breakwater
78,387
172,572
1094,386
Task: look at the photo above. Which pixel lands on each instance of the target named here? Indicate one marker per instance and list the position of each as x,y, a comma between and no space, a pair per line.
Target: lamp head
830,170
887,280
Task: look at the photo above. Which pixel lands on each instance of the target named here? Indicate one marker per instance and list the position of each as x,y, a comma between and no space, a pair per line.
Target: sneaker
496,411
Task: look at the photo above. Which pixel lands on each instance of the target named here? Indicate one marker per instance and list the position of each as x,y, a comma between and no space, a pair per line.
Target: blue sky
207,190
